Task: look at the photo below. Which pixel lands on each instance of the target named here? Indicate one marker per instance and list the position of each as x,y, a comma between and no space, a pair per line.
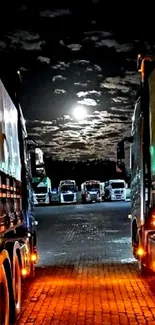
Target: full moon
79,112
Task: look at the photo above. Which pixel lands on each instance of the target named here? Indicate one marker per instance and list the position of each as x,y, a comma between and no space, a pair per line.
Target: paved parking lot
86,274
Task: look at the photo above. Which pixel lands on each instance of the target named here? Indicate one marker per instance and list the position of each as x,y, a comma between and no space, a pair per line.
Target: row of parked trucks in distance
67,192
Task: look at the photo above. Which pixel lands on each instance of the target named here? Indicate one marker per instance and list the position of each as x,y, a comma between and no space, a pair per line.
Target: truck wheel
4,298
144,268
17,284
83,199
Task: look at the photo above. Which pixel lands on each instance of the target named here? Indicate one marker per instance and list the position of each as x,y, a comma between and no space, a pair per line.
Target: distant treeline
83,170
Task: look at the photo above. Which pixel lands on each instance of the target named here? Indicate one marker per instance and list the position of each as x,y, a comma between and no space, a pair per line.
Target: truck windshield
66,188
41,189
117,185
93,187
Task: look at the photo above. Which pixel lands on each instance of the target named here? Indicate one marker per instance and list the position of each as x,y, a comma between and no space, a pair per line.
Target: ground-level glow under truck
17,224
143,167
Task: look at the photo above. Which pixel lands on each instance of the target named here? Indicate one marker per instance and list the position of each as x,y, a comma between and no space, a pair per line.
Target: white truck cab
115,190
67,191
42,192
91,191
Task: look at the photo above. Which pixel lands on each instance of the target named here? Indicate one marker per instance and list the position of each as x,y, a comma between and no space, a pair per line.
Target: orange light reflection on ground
94,295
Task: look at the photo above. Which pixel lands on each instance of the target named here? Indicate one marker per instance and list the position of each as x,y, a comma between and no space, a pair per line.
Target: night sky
73,55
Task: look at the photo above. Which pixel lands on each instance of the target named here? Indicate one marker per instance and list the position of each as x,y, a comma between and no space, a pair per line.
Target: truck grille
118,191
93,197
41,198
68,197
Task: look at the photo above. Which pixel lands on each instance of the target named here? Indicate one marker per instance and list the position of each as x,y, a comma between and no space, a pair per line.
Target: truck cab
115,190
67,191
42,192
91,191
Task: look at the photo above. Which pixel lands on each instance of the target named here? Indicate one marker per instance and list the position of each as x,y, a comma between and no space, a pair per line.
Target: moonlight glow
79,112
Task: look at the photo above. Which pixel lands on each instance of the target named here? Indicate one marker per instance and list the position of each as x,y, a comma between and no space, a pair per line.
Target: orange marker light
140,251
24,271
34,257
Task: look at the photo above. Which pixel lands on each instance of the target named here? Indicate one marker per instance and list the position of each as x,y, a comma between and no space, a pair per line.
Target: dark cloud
77,145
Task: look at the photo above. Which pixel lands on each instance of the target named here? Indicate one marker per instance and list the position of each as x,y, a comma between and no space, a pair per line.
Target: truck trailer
142,143
18,252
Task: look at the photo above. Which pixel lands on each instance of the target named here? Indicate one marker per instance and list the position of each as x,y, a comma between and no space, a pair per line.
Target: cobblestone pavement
86,274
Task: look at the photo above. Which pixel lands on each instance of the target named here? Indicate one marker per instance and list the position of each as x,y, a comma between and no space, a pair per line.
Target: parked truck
142,142
17,223
42,191
92,191
67,191
115,190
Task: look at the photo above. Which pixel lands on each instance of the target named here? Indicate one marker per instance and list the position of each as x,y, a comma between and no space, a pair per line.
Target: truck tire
17,285
14,281
144,267
4,298
83,199
144,271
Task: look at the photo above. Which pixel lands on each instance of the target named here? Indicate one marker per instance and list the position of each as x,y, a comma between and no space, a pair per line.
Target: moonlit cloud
23,69
122,84
111,43
83,62
61,65
60,91
93,137
80,84
58,77
2,45
97,67
24,40
88,102
87,93
55,13
120,99
74,47
43,59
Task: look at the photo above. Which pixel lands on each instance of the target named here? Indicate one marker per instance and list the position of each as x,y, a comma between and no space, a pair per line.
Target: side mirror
120,150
